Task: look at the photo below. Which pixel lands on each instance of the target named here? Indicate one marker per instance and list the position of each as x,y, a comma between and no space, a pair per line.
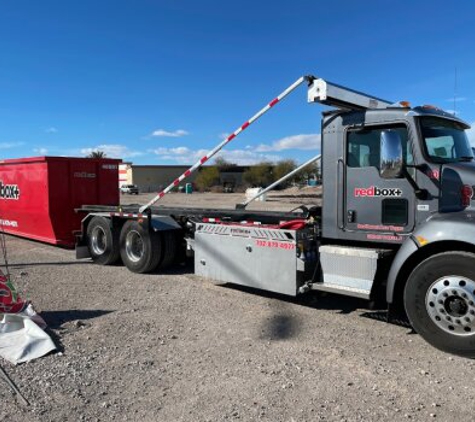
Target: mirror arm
421,167
425,169
422,194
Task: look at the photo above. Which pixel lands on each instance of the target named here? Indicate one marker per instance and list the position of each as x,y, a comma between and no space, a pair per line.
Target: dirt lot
175,347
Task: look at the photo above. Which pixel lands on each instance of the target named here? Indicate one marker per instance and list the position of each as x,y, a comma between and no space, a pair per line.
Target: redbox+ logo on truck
373,191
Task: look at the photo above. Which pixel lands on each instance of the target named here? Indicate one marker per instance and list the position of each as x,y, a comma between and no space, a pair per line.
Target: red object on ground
10,301
38,195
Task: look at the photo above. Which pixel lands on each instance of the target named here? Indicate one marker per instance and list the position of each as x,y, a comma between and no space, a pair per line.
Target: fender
441,227
163,222
408,248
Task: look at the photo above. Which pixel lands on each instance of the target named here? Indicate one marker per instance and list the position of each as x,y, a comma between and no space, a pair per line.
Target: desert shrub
260,174
208,177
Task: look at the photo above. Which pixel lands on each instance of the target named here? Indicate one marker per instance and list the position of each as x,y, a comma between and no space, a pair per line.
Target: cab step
349,270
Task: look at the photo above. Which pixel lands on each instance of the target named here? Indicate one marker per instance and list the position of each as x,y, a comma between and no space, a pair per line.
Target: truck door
375,209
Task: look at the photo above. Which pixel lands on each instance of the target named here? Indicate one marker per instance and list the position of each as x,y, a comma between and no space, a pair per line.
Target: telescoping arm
328,93
211,153
320,91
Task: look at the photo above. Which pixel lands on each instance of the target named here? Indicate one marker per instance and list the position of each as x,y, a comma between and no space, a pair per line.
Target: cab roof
396,109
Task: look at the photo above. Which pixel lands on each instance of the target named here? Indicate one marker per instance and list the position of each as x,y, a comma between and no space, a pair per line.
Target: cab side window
363,146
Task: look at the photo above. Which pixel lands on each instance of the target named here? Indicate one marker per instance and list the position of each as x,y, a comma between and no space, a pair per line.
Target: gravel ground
175,347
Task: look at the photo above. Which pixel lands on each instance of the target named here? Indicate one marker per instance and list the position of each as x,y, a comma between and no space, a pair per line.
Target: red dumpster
38,195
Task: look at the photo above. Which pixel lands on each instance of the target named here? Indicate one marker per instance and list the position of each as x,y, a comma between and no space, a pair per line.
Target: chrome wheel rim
134,246
450,303
98,240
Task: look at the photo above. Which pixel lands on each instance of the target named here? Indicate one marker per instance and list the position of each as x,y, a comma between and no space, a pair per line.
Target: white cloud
40,151
247,157
51,130
451,100
8,145
113,151
185,155
175,134
179,154
301,142
173,152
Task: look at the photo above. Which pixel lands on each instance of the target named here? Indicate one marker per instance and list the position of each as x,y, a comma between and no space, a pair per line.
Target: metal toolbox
262,258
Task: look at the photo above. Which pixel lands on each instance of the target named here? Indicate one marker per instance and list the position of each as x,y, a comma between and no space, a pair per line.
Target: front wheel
439,298
141,249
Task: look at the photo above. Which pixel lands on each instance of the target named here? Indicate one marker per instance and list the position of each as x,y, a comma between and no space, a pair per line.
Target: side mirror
391,161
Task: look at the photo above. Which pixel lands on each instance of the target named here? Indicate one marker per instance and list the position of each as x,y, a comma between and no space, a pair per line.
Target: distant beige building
155,178
152,178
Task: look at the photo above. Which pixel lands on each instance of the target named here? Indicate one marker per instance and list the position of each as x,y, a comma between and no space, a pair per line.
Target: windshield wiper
466,158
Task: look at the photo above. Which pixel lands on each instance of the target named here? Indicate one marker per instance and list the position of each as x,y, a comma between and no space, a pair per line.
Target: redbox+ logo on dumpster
9,191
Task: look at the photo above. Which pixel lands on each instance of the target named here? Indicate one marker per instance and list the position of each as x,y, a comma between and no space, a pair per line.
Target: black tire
103,241
170,243
439,298
141,249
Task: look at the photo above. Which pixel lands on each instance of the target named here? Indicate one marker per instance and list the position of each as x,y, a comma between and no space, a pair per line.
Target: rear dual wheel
103,241
439,298
141,249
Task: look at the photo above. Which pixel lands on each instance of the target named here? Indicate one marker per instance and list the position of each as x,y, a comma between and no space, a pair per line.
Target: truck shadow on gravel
56,319
284,325
347,305
62,322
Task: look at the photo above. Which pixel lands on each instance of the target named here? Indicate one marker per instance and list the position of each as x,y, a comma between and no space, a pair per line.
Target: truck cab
362,202
398,215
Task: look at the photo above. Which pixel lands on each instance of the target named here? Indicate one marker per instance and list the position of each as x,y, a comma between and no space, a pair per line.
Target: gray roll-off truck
397,221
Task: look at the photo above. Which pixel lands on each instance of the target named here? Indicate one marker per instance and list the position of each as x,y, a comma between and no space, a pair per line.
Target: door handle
341,181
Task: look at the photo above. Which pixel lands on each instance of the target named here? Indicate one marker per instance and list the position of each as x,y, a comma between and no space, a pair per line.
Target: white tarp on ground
22,339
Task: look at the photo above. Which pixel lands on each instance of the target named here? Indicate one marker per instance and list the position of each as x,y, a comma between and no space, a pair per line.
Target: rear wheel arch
116,223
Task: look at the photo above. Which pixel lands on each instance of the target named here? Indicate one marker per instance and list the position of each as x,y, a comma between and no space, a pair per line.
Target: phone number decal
275,244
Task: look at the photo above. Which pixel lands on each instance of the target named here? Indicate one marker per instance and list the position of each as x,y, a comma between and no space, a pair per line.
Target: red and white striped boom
211,153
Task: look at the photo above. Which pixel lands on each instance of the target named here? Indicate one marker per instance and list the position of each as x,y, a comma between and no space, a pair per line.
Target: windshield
445,140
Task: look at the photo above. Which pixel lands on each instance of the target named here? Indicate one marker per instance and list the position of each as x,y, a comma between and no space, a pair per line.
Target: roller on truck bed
397,221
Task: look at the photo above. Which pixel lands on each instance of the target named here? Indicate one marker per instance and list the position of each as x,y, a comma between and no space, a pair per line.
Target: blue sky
161,82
